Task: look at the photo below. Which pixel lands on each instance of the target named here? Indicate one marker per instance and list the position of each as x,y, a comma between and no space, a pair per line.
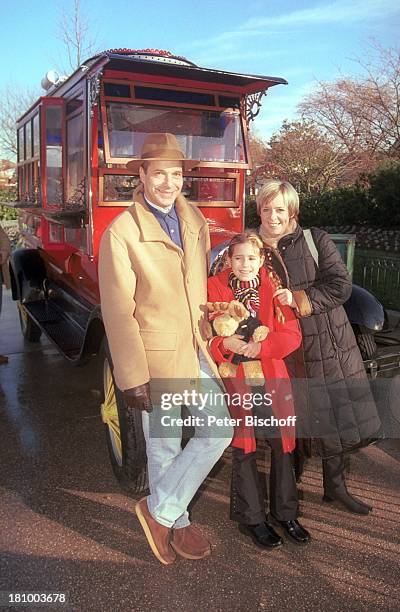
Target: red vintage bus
73,146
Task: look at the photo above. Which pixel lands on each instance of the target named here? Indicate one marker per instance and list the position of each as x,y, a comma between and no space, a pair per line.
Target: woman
342,414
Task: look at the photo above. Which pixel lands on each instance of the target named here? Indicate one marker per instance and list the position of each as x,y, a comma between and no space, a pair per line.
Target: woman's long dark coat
332,382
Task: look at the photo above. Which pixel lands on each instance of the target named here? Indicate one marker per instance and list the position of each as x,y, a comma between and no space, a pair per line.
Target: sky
303,41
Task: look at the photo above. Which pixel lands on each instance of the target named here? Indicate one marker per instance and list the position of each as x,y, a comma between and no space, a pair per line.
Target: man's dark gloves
139,397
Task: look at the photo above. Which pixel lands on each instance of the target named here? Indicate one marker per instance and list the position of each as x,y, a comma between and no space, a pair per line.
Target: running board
63,331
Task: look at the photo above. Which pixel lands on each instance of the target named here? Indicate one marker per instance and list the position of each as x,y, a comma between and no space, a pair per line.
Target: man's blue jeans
175,474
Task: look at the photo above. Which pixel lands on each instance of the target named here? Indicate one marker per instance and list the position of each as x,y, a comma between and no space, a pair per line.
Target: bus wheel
366,342
125,441
29,329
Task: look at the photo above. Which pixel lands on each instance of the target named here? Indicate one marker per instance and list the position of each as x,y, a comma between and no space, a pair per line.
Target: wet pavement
66,526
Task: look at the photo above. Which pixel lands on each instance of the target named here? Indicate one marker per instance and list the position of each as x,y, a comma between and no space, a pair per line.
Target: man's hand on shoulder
139,397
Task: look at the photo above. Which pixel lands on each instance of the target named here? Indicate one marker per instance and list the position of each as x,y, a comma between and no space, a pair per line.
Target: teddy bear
228,318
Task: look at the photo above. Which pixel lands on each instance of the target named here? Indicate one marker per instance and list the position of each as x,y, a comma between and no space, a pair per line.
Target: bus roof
183,69
162,63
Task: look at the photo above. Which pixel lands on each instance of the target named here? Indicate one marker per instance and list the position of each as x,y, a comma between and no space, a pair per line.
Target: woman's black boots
333,470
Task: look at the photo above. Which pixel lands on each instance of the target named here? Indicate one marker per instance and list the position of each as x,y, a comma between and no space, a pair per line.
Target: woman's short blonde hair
274,187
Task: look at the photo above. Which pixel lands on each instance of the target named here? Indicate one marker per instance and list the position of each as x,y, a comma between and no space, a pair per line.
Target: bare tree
361,116
258,149
14,101
306,157
384,79
262,168
74,31
302,154
79,43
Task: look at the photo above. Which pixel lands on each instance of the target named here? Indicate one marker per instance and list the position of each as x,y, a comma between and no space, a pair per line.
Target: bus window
28,140
54,155
21,144
203,134
75,161
36,136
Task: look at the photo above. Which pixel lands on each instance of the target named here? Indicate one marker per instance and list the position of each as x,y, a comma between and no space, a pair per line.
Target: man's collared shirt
169,222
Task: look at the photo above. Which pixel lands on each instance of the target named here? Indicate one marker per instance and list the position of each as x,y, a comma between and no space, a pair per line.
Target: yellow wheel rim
109,412
24,314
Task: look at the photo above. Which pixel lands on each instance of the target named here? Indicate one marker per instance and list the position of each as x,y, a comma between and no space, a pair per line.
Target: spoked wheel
30,331
124,433
109,413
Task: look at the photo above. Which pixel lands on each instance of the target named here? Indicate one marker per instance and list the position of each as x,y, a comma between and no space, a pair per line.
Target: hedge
374,202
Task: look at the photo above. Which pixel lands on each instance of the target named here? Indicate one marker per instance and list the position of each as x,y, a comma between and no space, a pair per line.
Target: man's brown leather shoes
190,543
157,535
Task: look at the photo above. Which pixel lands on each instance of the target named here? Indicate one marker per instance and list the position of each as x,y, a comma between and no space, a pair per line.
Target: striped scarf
246,292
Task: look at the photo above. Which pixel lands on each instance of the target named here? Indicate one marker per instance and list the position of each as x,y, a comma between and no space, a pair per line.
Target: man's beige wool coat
153,294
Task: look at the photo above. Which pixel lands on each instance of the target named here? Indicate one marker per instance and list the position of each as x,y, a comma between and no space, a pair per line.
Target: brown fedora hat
163,146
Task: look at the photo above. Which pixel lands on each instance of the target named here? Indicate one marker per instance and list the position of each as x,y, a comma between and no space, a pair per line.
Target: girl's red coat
282,340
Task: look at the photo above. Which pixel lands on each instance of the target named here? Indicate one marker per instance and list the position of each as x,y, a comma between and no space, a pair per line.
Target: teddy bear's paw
253,373
207,330
260,333
227,370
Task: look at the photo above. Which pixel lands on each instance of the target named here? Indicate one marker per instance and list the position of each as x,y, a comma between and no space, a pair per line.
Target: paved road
65,526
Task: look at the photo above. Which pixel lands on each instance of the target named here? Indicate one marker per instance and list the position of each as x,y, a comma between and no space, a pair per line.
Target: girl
249,282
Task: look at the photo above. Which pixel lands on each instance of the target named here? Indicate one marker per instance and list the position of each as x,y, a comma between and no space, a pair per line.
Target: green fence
379,273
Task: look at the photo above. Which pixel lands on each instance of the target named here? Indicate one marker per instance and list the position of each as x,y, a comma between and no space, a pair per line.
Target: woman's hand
234,343
251,349
285,297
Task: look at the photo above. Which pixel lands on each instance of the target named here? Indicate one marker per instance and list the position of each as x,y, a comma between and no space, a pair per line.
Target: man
153,286
5,248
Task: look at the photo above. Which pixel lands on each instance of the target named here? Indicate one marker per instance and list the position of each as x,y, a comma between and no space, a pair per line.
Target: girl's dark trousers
248,486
